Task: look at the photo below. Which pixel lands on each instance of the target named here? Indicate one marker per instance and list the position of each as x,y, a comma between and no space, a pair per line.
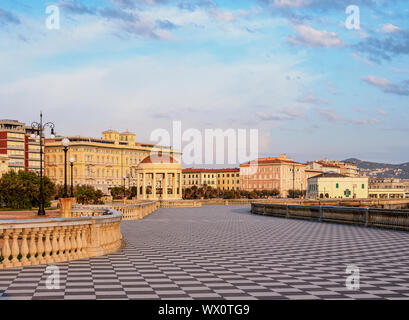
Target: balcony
16,164
15,139
16,156
14,147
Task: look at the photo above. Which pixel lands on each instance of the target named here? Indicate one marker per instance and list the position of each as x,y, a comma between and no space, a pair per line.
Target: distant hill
382,170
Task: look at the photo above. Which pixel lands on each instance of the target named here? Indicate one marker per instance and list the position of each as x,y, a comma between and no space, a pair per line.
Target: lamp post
65,142
124,177
72,160
39,127
129,184
293,181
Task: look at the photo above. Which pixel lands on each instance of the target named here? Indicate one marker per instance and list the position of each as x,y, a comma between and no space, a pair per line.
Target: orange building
280,173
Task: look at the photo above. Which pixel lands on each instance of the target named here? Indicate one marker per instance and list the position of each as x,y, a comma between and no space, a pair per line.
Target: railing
129,211
368,217
43,241
180,203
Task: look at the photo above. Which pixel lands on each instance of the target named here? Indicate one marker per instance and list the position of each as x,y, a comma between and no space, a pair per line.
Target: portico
159,178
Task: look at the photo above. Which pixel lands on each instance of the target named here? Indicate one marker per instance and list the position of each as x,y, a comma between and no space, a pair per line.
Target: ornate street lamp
65,142
124,186
39,128
72,160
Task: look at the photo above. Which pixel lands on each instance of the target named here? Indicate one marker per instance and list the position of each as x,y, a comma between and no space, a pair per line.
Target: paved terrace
224,252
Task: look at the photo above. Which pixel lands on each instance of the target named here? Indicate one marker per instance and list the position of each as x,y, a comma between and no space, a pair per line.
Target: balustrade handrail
49,240
362,216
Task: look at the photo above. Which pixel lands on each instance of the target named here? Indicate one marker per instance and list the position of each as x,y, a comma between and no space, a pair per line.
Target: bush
85,194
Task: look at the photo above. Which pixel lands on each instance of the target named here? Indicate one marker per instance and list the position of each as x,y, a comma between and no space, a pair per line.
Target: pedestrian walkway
225,252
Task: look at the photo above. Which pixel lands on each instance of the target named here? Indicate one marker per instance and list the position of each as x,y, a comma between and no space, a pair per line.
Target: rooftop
193,170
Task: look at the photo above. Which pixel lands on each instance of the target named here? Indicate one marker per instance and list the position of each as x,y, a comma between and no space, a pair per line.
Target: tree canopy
21,190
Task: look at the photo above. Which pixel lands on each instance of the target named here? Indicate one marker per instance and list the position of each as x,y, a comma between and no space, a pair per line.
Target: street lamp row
39,127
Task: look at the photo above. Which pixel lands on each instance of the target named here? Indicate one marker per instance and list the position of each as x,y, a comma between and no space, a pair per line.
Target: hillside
382,170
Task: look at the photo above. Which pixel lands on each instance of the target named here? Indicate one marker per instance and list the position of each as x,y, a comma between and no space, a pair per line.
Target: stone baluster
54,245
61,245
15,249
33,246
74,249
40,246
79,242
24,248
84,235
47,246
68,252
6,249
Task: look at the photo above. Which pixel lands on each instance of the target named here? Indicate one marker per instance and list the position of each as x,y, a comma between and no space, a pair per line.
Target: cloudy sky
291,68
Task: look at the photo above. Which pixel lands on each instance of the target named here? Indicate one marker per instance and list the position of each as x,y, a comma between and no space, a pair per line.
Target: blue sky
290,68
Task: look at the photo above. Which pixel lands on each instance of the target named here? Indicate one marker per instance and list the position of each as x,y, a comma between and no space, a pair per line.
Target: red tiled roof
270,161
324,164
159,159
193,170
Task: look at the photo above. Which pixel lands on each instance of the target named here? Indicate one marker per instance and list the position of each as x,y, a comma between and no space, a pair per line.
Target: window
337,185
363,186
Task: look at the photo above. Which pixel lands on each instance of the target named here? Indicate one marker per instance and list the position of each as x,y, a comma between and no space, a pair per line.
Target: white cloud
310,37
388,28
143,94
381,112
291,3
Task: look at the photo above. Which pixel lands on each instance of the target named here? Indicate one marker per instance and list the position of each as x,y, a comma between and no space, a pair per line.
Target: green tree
21,190
118,192
296,193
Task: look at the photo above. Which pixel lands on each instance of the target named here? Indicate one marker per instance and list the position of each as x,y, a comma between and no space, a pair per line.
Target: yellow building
334,185
102,163
4,164
228,179
199,178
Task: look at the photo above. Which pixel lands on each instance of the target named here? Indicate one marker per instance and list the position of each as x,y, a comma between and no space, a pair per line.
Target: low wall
44,241
180,204
129,211
368,217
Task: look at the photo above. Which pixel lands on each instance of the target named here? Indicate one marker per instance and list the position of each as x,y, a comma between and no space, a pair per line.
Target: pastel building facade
4,165
223,179
199,177
102,163
228,179
337,186
279,173
18,145
387,188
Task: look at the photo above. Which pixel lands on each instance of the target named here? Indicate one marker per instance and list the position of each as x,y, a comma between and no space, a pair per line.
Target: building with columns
101,162
159,177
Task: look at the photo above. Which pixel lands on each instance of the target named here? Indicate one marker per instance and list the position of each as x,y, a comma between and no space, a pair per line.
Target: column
165,186
137,185
174,185
143,186
154,185
180,185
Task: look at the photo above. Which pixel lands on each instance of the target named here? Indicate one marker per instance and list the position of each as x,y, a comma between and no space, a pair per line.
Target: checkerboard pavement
224,252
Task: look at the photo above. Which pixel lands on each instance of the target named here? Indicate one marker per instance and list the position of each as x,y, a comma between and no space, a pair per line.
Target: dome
159,159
